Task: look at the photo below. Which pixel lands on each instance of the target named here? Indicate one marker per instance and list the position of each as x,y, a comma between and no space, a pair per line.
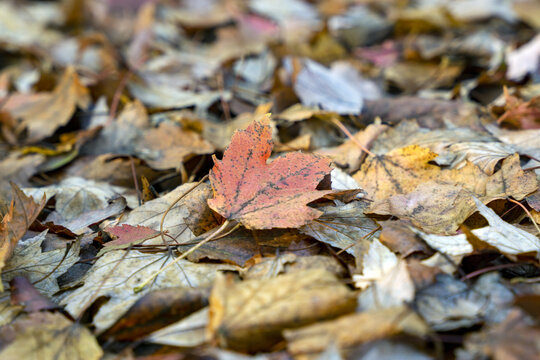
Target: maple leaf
261,195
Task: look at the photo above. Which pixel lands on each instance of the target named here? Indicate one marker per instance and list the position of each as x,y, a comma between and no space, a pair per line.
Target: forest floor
270,179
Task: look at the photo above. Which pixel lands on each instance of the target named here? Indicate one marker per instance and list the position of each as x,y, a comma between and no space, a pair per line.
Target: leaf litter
269,179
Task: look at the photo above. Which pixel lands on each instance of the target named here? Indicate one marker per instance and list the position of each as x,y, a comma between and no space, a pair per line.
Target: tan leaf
41,268
45,335
22,213
115,275
244,315
45,115
349,155
354,329
168,146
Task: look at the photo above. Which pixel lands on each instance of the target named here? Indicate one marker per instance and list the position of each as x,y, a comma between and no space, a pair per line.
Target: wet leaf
261,195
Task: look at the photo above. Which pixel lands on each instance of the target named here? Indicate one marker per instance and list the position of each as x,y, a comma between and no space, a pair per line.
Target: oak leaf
261,195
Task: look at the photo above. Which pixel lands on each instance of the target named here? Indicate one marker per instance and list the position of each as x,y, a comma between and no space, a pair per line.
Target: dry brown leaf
168,146
442,205
398,172
349,155
116,273
354,329
150,213
341,225
243,315
41,268
45,335
289,262
22,213
55,109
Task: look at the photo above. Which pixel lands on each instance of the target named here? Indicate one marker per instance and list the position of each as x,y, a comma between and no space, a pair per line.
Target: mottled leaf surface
261,195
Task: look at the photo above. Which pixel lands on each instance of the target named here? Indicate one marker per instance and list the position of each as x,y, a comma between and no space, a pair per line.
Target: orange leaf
22,213
261,195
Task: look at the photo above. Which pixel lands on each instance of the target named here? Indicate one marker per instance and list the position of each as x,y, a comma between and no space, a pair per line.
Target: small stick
183,256
528,213
176,202
342,127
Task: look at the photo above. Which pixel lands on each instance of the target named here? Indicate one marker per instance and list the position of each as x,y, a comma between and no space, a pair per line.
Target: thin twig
176,202
342,127
184,255
528,213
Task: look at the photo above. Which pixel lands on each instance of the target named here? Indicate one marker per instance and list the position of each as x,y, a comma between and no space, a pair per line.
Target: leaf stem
183,256
176,202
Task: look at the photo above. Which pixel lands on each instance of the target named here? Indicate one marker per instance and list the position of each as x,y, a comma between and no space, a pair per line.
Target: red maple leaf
263,195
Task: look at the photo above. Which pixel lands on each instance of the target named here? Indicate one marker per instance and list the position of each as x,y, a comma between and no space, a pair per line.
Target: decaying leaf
45,335
156,310
150,213
188,332
43,116
168,146
451,304
22,213
41,268
261,195
342,225
354,329
77,196
243,315
127,235
115,275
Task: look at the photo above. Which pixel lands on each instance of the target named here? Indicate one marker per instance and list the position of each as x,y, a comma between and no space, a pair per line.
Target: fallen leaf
25,294
116,273
77,196
398,172
514,338
157,310
41,268
349,155
188,332
243,315
452,304
354,329
504,236
150,213
394,288
127,235
376,262
55,109
45,335
168,146
341,225
22,213
261,195
16,168
317,85
289,262
524,60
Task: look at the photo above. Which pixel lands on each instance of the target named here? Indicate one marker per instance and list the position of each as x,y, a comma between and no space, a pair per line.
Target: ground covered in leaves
270,179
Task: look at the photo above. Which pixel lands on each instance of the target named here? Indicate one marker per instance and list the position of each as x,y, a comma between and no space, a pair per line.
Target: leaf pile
269,179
